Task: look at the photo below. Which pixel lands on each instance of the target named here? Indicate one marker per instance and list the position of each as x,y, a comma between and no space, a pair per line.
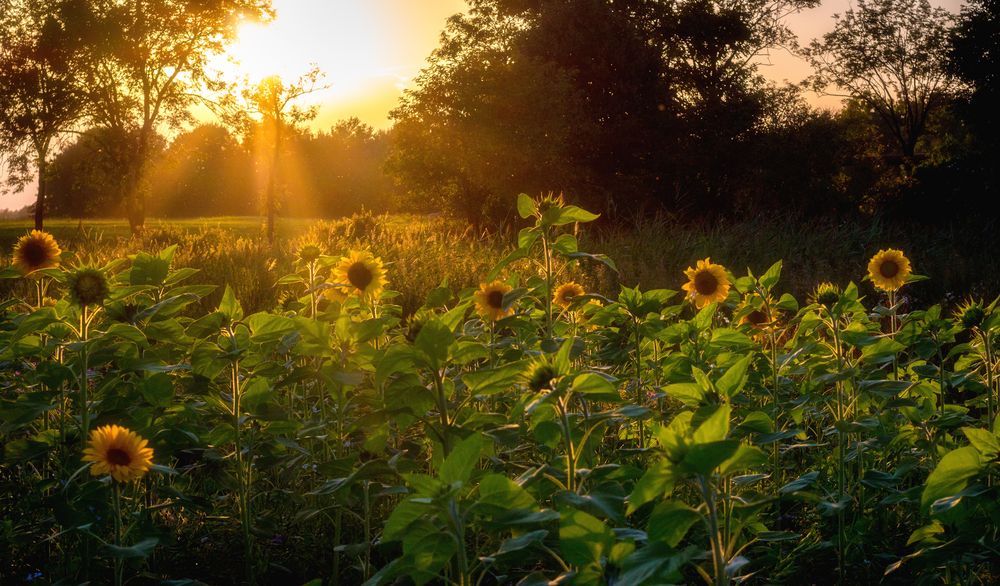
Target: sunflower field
526,431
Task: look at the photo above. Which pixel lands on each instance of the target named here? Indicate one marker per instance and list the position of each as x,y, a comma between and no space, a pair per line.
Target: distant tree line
627,106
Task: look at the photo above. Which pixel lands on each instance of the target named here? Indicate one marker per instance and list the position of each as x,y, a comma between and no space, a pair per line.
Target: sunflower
825,294
309,252
707,283
541,375
87,286
119,452
970,313
489,300
889,269
36,250
756,318
564,295
360,273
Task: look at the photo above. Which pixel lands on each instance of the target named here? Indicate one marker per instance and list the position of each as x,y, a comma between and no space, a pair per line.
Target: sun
340,38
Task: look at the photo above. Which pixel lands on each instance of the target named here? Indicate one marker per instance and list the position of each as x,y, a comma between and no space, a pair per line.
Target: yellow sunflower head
889,269
87,286
707,283
36,250
565,294
360,273
825,294
756,318
489,300
114,450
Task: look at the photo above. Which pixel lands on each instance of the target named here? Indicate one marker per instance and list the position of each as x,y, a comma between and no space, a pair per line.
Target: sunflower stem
117,504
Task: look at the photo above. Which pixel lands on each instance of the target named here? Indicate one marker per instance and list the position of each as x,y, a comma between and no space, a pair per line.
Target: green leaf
522,542
460,463
951,475
715,427
800,483
499,491
151,270
139,550
405,513
704,458
525,206
984,441
158,390
570,214
591,383
690,394
656,481
434,342
490,381
771,277
745,458
657,563
229,306
583,538
731,383
670,522
565,244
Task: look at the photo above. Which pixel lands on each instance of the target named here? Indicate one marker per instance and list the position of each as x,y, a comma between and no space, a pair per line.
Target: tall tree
268,114
890,55
151,64
40,91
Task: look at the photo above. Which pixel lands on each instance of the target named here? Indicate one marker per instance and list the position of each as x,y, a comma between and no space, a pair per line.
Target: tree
150,64
268,113
204,172
890,55
974,58
40,92
622,104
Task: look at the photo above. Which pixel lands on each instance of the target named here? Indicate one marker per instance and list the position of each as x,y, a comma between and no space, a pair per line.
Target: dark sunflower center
359,276
495,299
119,457
34,252
888,269
757,317
705,283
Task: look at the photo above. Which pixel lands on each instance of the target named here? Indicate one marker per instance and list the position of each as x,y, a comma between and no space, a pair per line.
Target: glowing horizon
371,51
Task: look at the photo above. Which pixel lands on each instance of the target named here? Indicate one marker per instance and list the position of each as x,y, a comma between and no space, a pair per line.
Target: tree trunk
40,200
135,199
270,203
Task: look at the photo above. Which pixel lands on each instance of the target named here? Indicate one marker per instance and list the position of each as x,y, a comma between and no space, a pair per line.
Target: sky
371,50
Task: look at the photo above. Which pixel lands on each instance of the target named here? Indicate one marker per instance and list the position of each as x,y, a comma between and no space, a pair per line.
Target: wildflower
36,250
565,294
889,269
489,300
360,273
115,450
87,286
707,283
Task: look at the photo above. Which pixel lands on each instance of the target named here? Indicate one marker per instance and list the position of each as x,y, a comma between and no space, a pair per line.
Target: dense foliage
518,432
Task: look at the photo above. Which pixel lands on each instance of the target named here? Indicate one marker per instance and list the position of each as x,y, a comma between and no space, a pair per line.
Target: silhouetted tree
974,58
85,177
40,92
889,55
149,66
204,172
620,103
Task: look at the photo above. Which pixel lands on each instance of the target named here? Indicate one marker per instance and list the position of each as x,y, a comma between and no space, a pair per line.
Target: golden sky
371,49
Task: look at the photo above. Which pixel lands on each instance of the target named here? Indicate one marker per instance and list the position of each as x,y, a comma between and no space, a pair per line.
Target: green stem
117,504
570,448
